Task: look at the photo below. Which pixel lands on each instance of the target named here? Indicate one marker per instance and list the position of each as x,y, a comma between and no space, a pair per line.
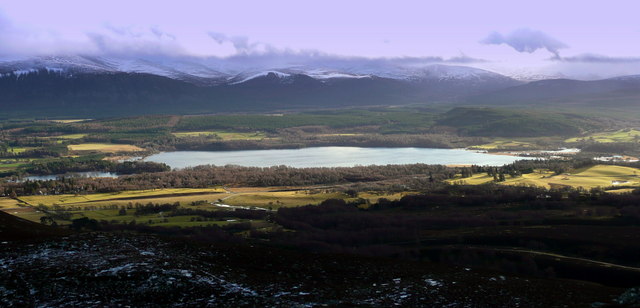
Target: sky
567,37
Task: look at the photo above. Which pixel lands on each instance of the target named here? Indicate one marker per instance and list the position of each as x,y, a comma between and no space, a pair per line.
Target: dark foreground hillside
125,269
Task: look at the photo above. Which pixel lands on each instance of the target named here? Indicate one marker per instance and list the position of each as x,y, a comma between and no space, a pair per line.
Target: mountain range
115,86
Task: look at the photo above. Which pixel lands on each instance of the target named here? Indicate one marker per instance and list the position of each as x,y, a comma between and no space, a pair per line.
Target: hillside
101,89
614,92
492,122
13,228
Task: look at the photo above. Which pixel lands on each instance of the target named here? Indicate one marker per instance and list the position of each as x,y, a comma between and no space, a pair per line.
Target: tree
46,220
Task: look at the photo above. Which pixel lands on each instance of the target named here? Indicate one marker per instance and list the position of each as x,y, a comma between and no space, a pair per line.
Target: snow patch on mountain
244,77
327,74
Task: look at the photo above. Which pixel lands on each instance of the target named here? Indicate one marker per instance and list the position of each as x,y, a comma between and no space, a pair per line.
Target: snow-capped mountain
214,71
110,86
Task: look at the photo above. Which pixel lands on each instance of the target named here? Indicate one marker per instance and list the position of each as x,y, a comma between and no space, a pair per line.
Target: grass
97,206
18,150
70,121
7,203
224,135
71,136
7,165
281,198
623,135
506,145
105,147
590,177
141,196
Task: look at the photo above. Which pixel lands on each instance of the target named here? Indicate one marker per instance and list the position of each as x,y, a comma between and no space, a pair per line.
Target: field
590,177
504,144
71,136
18,150
104,147
236,196
224,135
128,196
104,206
275,200
70,121
623,135
6,203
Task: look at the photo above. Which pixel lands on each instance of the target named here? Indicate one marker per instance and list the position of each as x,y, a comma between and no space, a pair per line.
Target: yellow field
7,203
185,196
339,135
505,144
97,206
71,136
18,150
591,177
70,121
104,147
142,196
280,199
223,135
623,135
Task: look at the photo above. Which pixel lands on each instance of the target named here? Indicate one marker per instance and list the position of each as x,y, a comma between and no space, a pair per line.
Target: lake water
90,174
330,157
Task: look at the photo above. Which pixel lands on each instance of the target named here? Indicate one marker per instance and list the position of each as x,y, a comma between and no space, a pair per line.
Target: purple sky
511,35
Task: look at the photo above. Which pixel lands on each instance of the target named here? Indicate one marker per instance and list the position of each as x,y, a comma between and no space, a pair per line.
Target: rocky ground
123,269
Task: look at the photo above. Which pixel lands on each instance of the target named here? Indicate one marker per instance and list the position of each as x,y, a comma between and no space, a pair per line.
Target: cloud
242,44
593,58
464,59
108,45
526,40
133,41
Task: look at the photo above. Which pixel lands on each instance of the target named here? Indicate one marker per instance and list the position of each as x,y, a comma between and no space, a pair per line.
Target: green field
504,144
18,150
590,177
280,199
223,135
7,165
623,135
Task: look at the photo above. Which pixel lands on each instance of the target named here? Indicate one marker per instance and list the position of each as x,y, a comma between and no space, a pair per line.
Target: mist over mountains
111,86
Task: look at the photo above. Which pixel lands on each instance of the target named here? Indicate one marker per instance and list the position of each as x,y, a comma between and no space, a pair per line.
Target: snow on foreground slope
105,269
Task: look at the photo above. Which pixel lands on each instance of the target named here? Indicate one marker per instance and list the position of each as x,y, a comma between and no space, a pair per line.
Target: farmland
507,144
223,135
104,148
604,176
623,135
104,206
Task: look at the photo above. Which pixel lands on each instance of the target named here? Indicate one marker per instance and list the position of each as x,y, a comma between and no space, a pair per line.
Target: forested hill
615,92
50,93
